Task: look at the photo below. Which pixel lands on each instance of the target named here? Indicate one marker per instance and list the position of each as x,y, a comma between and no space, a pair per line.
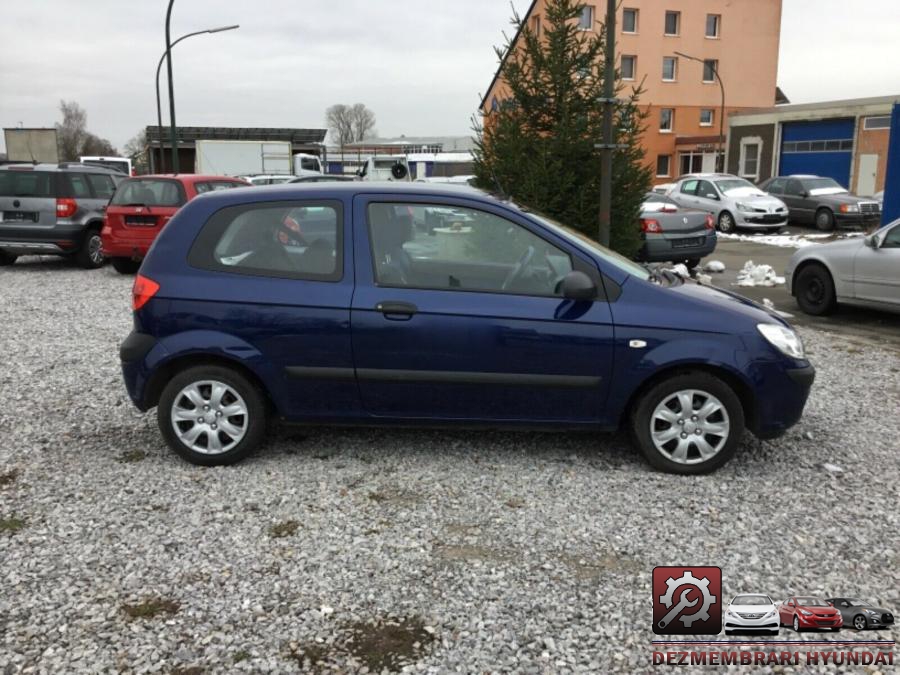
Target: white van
121,164
307,165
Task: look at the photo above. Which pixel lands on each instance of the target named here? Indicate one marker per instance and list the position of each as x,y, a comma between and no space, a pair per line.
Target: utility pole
172,133
609,106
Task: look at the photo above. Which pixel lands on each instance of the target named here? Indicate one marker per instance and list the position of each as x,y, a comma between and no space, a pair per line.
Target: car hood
818,610
831,247
719,298
752,609
762,201
841,198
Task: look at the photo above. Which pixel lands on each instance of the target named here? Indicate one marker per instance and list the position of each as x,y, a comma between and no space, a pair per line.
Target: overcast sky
420,65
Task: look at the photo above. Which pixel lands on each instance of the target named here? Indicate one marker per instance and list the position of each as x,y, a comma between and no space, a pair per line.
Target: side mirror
578,286
804,194
872,241
711,196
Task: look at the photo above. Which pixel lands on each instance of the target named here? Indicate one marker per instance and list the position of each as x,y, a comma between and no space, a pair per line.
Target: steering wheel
517,269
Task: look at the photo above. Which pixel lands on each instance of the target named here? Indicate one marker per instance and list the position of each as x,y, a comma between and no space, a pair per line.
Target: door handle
397,310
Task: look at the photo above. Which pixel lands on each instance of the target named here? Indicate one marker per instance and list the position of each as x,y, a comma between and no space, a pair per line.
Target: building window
706,117
710,68
712,25
666,119
663,166
586,20
629,20
536,25
628,66
749,158
878,122
670,68
673,23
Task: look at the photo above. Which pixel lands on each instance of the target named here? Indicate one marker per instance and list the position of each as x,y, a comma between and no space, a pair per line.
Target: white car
733,202
751,612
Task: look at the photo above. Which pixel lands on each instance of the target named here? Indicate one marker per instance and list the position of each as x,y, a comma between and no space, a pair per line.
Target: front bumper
862,221
741,623
820,622
782,397
761,220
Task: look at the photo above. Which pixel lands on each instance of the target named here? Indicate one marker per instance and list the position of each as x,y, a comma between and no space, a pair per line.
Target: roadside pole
609,105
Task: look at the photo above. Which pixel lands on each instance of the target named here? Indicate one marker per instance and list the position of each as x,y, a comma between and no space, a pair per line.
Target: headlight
783,339
805,613
769,615
849,208
740,206
872,612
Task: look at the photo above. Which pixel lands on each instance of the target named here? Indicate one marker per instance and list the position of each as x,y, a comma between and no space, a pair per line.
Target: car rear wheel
825,220
125,265
796,624
7,258
90,255
814,289
688,424
859,622
726,222
212,415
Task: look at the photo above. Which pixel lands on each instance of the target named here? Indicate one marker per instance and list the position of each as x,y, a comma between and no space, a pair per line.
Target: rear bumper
134,353
40,239
657,248
130,243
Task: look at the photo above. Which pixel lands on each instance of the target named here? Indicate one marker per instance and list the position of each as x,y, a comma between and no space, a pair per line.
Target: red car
141,206
804,612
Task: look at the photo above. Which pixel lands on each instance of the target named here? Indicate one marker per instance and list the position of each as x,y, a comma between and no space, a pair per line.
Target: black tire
90,254
692,263
7,258
796,624
824,220
726,223
642,419
835,629
254,423
814,290
125,265
856,622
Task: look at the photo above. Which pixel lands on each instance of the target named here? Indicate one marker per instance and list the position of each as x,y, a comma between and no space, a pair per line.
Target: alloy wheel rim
860,623
209,417
690,426
796,624
726,223
95,249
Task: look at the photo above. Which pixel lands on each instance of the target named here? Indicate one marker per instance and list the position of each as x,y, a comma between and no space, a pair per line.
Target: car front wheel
814,289
726,222
825,220
859,622
688,424
796,624
212,415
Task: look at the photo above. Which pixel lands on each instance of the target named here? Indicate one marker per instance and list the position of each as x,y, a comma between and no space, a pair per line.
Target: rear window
149,192
26,184
295,240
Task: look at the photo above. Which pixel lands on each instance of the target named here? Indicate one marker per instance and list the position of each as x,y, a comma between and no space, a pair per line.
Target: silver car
733,202
862,271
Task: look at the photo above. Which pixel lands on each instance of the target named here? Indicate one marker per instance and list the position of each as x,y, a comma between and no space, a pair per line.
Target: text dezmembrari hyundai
335,303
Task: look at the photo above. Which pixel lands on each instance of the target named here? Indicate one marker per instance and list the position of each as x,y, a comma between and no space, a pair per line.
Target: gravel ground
345,550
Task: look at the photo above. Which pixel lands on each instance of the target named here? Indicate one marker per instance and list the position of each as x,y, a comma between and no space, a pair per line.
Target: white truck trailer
243,158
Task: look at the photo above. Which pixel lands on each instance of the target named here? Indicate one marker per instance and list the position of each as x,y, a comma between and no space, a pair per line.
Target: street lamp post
162,157
715,71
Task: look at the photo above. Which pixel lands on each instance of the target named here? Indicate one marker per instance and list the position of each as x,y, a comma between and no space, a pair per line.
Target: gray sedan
862,271
675,234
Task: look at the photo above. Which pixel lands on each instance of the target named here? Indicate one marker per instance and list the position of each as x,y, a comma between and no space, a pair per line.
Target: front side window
666,119
451,248
673,23
670,68
298,240
706,190
663,165
103,185
149,192
629,20
586,20
892,240
215,186
309,164
710,68
776,187
712,25
628,65
79,185
706,117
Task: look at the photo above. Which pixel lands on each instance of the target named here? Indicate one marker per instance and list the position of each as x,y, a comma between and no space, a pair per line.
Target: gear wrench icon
702,584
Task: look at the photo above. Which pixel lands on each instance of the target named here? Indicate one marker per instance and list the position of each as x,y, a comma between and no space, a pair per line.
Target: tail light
142,291
66,208
710,223
650,225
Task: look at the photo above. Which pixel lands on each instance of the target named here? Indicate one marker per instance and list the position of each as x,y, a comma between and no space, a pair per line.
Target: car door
799,205
786,612
686,193
707,197
876,271
464,323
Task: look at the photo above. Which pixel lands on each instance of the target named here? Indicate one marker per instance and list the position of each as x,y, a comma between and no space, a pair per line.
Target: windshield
734,184
752,600
859,603
149,192
15,183
577,237
812,602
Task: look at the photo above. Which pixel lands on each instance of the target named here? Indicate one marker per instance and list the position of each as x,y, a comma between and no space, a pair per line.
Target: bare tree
340,123
363,121
136,149
73,138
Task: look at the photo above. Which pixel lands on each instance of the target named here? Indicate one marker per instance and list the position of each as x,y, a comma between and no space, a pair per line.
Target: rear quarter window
103,185
292,240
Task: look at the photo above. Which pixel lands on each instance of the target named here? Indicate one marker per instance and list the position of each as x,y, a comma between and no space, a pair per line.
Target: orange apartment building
737,38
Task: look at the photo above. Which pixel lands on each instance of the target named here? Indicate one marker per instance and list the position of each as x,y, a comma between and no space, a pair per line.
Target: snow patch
758,275
715,266
681,270
784,240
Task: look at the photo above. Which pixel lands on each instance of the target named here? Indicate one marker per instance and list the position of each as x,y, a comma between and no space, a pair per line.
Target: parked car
120,164
813,200
861,614
733,202
322,178
751,612
276,179
54,209
804,612
141,207
675,234
863,271
879,197
520,321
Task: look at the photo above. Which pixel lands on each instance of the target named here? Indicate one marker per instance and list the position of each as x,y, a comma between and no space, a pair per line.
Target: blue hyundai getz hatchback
360,303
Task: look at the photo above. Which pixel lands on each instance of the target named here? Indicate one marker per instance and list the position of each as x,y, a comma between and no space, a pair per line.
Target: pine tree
537,146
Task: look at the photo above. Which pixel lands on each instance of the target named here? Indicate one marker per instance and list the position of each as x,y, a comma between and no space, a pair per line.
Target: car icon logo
138,209
685,220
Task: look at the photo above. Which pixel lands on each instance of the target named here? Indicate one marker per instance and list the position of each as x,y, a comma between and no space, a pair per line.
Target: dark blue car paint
323,352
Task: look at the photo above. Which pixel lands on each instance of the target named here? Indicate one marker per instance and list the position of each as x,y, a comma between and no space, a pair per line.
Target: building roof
506,55
846,107
189,135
